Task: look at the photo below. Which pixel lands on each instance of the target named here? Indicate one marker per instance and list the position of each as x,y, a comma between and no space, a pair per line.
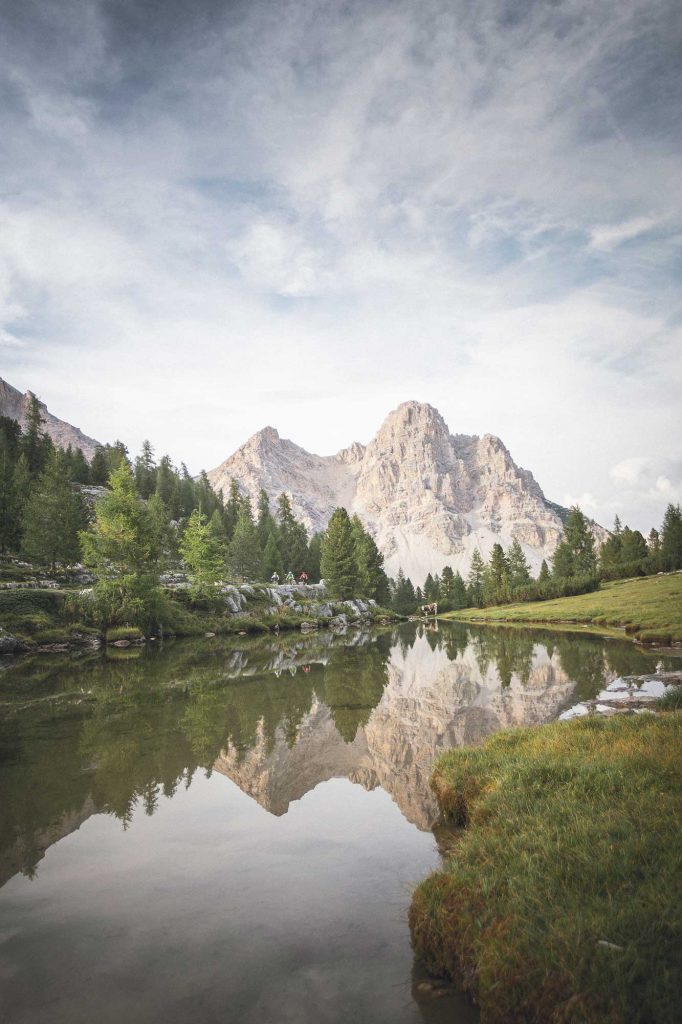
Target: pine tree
447,581
10,502
338,565
372,580
272,560
80,468
265,522
233,507
404,600
99,469
633,548
496,585
35,443
519,570
314,557
124,547
671,538
145,471
293,538
202,552
575,555
431,593
244,555
167,485
476,579
654,546
54,515
459,597
544,578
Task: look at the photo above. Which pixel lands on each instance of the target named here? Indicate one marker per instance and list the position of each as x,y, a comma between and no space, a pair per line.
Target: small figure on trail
275,578
289,578
306,669
303,578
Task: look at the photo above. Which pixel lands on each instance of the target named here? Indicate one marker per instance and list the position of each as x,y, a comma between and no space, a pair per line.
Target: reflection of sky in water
277,889
214,910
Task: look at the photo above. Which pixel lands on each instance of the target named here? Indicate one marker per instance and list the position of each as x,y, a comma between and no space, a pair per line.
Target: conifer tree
519,570
459,598
293,538
202,552
54,516
544,578
447,581
496,586
476,579
430,589
671,538
575,555
99,470
244,554
124,547
265,523
338,564
314,557
272,560
404,596
10,502
633,551
35,443
145,471
233,507
372,580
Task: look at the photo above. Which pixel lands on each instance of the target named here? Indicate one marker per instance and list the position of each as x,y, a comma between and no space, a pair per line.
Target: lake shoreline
645,610
539,913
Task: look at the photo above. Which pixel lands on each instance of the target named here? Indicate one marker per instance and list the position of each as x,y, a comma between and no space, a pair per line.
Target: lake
230,830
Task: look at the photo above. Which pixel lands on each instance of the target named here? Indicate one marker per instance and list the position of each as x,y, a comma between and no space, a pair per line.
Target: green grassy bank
40,618
648,608
562,902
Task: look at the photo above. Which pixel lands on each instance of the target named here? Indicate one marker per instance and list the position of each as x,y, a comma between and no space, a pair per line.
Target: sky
217,216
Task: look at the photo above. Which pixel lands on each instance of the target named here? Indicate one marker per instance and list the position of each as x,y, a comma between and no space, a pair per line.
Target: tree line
577,567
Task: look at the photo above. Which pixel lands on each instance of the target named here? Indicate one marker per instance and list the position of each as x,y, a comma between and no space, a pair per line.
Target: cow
430,609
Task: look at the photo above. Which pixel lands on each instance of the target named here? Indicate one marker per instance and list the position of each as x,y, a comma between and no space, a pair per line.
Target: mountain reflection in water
278,716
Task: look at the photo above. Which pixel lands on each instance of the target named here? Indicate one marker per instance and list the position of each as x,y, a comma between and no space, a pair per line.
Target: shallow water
230,831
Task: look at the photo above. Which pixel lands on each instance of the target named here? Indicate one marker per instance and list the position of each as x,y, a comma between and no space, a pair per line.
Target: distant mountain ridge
15,405
429,497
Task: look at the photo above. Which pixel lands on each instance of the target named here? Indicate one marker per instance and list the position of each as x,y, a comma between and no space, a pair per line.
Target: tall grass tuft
563,901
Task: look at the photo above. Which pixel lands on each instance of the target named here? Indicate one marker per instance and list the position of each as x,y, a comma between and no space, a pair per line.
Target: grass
562,902
648,608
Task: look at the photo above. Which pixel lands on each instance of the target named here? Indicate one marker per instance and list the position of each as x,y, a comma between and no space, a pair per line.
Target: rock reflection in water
278,716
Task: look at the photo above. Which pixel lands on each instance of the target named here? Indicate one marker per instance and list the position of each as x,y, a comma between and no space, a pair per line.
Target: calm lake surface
223,831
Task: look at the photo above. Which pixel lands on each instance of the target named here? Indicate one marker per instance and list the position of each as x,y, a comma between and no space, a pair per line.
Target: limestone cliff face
16,406
428,496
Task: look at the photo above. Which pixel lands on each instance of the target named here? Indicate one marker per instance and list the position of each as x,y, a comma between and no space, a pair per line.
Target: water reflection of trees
117,732
121,732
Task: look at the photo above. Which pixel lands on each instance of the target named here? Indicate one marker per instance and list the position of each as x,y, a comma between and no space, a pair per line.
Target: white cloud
605,237
355,205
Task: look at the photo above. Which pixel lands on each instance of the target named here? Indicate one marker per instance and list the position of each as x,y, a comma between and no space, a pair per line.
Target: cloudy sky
216,216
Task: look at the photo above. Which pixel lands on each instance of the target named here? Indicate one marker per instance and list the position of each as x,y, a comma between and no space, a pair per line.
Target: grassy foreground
649,608
563,900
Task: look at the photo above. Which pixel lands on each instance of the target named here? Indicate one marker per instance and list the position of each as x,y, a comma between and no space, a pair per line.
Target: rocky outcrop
429,497
15,405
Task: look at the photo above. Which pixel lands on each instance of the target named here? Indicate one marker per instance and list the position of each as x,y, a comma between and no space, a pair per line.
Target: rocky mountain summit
16,406
429,497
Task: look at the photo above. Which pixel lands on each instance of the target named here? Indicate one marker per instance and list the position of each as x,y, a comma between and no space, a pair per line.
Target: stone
429,497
